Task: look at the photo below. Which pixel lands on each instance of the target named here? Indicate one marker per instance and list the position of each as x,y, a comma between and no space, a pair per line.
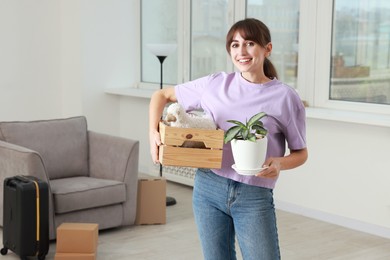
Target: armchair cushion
62,143
76,193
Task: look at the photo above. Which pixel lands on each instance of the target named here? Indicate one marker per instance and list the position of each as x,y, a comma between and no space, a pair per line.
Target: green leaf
237,123
258,124
245,133
262,132
256,118
259,129
231,133
252,138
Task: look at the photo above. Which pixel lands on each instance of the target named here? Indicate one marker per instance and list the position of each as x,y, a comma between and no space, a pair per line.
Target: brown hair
253,30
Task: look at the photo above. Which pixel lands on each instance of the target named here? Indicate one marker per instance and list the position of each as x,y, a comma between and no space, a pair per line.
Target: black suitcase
26,217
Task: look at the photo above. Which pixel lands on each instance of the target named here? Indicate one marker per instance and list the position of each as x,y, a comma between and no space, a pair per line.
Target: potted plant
249,144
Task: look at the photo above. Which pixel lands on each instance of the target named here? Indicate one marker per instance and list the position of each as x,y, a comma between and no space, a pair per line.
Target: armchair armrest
15,160
116,158
18,160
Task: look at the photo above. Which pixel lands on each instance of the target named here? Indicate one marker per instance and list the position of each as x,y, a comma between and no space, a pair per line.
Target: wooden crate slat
190,157
176,136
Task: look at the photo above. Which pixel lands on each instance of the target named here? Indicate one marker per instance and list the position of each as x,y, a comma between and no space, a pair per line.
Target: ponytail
269,69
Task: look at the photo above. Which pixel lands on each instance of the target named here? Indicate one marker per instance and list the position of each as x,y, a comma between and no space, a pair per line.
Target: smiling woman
237,95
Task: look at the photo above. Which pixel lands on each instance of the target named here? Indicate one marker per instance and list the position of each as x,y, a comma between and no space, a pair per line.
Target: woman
225,203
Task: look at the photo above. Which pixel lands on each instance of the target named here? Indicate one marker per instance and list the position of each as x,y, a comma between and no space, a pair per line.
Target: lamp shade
162,49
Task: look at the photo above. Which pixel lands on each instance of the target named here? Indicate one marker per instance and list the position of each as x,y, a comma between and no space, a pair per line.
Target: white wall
97,45
134,124
58,56
346,179
107,42
29,60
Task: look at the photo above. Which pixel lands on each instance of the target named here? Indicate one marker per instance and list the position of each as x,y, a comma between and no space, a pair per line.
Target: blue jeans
224,208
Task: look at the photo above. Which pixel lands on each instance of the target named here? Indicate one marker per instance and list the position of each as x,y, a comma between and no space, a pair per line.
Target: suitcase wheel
4,251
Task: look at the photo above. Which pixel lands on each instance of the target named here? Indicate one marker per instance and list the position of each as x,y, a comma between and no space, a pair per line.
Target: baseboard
178,179
334,219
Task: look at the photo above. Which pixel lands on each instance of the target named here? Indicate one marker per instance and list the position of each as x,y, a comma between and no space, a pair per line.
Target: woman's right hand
155,142
156,107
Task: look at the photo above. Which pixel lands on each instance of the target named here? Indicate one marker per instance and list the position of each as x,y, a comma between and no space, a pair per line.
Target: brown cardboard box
171,153
351,72
74,256
151,201
79,238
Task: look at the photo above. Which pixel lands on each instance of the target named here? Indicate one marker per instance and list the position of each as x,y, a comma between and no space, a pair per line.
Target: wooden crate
172,153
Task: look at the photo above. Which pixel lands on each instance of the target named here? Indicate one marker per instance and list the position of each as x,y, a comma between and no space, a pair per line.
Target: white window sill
316,113
349,116
131,92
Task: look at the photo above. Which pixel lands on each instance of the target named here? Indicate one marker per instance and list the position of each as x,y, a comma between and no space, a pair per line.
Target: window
335,53
158,26
209,25
361,51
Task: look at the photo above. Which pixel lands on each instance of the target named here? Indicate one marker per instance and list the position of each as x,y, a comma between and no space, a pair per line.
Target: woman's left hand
272,169
276,164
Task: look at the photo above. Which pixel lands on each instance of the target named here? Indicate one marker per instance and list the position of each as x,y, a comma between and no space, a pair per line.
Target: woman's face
248,56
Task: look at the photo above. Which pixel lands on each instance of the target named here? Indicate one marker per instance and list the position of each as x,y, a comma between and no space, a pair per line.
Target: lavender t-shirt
229,96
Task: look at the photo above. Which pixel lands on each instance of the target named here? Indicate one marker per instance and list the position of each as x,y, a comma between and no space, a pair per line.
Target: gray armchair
92,177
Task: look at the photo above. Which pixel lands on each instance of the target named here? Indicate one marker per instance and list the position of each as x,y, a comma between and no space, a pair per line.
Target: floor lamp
162,51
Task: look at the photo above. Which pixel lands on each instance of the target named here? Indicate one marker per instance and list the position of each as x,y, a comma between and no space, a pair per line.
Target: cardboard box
172,152
81,238
74,256
351,72
151,202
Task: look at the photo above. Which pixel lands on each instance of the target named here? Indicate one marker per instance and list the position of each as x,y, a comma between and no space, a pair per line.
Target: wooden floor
301,238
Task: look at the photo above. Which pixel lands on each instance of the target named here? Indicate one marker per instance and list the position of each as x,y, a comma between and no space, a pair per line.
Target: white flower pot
249,155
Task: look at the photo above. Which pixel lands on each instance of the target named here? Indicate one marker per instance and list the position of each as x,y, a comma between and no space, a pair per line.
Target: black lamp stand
169,200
